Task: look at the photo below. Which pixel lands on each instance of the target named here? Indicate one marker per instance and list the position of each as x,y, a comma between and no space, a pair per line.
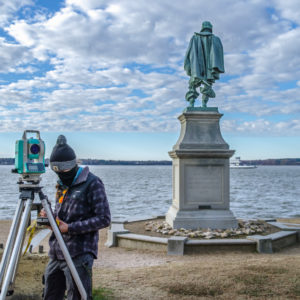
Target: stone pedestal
201,174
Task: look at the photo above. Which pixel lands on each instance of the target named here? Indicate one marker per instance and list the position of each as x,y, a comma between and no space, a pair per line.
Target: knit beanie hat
63,156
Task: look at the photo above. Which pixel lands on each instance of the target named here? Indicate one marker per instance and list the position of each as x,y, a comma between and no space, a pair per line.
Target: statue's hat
206,25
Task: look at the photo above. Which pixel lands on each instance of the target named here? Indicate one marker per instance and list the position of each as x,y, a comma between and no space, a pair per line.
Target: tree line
95,162
273,162
90,161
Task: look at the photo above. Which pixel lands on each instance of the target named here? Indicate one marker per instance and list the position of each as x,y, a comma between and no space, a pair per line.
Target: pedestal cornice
201,153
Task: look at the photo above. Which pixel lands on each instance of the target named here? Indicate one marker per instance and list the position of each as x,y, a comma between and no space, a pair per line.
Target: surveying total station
30,164
30,156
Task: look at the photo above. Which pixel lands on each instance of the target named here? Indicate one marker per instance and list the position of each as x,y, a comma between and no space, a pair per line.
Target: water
143,191
266,192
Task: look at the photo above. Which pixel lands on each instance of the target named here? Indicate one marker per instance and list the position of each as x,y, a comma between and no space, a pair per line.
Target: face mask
68,177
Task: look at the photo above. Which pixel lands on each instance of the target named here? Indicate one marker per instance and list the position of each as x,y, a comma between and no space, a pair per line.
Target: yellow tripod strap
30,229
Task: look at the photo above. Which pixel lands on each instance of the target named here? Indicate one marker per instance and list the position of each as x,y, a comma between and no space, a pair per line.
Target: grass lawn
218,276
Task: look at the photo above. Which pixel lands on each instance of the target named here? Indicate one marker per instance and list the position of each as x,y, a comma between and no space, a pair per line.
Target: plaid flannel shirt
85,209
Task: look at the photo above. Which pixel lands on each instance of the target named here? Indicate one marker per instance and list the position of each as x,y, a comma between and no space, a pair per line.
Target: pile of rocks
245,228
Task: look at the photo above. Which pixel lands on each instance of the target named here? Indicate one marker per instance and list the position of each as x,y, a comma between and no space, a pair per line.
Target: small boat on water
238,164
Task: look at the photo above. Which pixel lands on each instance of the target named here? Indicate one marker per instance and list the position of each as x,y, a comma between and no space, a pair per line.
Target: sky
109,74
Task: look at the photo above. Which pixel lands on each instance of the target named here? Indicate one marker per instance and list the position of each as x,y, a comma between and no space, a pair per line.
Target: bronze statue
204,61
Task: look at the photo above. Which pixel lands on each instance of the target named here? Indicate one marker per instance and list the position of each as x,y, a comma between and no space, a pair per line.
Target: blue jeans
58,278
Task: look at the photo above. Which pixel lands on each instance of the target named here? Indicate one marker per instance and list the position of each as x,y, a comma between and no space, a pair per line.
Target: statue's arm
217,55
187,62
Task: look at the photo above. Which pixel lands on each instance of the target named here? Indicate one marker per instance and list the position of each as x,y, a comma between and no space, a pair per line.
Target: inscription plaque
203,184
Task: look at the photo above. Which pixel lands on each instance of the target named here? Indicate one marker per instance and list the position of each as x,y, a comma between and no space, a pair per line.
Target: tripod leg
11,239
19,255
15,254
63,247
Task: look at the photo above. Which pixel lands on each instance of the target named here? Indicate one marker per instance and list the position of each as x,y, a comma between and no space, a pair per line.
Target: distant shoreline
273,162
103,162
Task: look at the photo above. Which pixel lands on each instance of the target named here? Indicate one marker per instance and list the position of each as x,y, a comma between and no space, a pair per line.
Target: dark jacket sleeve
96,198
57,205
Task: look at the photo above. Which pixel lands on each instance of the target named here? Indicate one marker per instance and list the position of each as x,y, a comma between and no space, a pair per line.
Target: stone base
206,218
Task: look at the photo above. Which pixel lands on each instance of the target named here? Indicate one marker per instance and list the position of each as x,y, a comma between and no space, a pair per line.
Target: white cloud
280,57
99,56
262,126
9,8
289,9
11,55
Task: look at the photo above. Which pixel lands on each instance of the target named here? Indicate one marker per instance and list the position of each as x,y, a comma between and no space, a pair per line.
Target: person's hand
43,213
63,227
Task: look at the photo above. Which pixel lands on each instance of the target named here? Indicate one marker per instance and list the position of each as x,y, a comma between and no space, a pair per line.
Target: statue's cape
204,57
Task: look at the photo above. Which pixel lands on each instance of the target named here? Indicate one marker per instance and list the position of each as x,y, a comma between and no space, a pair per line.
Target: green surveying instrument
30,156
30,164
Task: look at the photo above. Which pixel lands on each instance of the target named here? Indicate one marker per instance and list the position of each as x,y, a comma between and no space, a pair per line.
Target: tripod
12,251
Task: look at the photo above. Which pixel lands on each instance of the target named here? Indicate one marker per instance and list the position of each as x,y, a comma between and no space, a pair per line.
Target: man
81,209
204,61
